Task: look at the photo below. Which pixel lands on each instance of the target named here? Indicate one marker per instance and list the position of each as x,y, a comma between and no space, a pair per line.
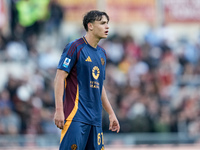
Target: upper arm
103,94
68,58
61,74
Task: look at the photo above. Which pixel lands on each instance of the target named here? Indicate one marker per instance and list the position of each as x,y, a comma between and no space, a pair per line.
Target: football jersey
83,86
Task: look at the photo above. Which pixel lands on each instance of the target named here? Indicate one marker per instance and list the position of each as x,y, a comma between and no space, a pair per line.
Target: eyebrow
103,21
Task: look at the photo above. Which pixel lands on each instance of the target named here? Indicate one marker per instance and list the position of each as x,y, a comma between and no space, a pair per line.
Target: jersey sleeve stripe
71,116
78,54
70,49
73,47
76,45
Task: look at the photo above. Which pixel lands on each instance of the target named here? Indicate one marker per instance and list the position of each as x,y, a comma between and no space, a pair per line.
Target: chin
103,37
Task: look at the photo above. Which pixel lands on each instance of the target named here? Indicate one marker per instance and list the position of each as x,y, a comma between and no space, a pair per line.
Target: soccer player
79,90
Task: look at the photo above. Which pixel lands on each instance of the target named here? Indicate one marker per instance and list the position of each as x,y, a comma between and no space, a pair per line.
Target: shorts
80,136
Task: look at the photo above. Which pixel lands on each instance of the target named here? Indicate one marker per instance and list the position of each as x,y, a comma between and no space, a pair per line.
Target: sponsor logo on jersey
95,72
88,59
66,62
94,84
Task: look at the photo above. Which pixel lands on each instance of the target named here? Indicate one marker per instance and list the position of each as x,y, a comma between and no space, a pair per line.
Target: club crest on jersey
66,62
102,61
74,147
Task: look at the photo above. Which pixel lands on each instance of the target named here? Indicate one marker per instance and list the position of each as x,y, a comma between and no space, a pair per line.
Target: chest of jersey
91,66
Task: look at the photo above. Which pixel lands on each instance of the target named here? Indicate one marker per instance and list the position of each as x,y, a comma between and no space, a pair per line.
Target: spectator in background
16,50
131,48
5,100
30,16
2,43
10,121
55,17
115,52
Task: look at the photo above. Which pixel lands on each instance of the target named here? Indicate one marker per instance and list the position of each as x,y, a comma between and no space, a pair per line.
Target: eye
104,22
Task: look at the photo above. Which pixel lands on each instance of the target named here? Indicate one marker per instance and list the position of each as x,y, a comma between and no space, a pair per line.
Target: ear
90,26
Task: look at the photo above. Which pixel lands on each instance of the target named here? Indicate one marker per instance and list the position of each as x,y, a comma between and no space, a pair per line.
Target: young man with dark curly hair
79,91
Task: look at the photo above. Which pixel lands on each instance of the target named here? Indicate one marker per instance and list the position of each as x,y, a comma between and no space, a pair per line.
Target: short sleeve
68,57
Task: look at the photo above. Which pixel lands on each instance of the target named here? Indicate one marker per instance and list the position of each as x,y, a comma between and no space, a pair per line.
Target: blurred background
152,76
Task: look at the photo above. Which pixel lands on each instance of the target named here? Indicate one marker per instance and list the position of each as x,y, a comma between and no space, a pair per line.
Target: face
100,28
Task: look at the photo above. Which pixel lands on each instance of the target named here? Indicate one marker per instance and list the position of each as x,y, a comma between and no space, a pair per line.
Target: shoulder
102,49
72,46
76,42
79,41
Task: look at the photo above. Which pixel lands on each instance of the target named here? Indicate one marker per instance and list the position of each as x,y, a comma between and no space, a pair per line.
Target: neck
92,40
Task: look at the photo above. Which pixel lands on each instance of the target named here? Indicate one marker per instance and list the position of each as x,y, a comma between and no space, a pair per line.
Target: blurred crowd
28,63
153,85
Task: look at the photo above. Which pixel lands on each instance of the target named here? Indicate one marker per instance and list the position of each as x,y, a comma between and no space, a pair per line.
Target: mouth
106,32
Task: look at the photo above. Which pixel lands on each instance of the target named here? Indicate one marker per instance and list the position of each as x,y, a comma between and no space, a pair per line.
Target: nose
107,26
